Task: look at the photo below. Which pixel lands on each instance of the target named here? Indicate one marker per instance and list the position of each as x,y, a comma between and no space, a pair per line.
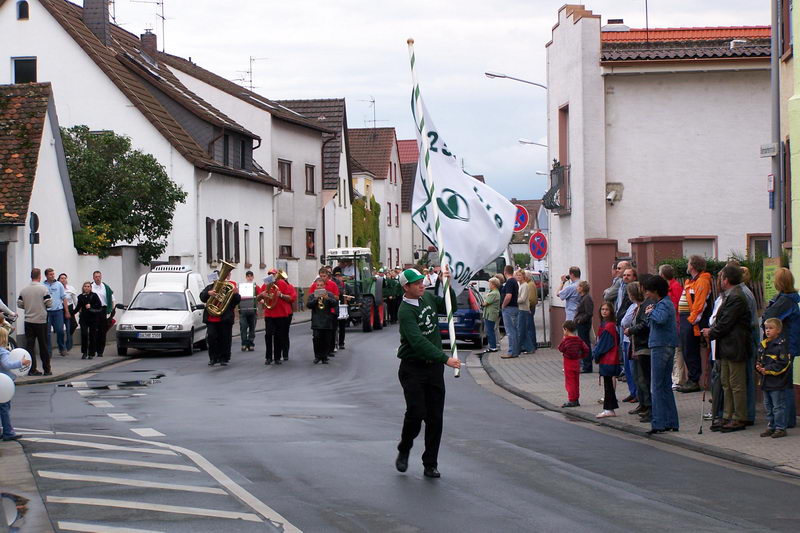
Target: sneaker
767,432
708,416
779,433
606,413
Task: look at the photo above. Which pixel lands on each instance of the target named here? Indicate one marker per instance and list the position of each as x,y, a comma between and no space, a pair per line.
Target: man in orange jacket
694,310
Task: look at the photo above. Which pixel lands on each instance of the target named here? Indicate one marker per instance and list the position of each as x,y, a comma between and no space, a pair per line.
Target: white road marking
99,446
271,515
125,462
87,392
101,403
178,509
147,432
79,385
139,394
93,528
121,417
129,482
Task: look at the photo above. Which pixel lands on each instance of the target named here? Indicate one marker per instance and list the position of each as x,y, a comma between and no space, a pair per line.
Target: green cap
410,275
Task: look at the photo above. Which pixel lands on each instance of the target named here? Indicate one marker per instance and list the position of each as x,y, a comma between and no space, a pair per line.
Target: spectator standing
524,315
491,314
639,333
35,300
57,312
248,307
785,307
754,336
568,292
662,341
6,365
675,291
573,350
510,310
694,309
583,321
774,362
622,311
533,301
731,330
606,355
106,295
92,315
610,294
71,323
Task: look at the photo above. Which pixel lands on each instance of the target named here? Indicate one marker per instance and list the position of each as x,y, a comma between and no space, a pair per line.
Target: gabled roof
409,150
670,44
22,114
329,113
372,148
131,71
409,157
274,108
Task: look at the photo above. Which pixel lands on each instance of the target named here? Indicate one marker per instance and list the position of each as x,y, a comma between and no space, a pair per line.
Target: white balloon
17,354
6,388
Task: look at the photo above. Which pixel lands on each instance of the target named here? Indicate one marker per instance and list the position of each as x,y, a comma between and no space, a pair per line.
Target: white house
109,79
658,134
377,172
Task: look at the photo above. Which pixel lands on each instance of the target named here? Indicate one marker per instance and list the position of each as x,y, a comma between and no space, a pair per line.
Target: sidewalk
539,378
72,365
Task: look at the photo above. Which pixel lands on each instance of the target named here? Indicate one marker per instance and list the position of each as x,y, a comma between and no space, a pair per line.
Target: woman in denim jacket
662,341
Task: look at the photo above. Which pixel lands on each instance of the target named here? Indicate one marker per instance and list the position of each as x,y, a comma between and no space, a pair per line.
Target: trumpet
321,303
270,296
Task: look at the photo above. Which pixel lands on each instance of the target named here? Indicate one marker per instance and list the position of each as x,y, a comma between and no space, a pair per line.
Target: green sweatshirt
419,329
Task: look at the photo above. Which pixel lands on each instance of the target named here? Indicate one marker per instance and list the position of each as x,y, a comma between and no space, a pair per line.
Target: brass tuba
218,303
270,296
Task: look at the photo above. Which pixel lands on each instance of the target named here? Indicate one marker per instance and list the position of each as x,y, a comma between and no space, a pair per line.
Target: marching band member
330,286
219,328
324,307
247,312
277,296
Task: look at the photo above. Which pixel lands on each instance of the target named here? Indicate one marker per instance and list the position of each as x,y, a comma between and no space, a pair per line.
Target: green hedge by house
366,228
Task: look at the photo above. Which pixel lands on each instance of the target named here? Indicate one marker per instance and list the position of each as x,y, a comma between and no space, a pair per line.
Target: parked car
542,284
467,318
165,313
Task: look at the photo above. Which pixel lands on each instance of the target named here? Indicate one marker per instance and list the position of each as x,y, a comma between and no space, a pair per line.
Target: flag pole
426,150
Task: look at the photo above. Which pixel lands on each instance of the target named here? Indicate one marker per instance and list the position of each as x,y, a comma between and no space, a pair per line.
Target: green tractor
356,265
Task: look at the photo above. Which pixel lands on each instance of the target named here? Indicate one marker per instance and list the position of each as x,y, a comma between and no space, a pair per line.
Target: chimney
95,16
615,25
149,43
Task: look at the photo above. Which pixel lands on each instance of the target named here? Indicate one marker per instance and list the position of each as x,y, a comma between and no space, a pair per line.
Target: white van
165,313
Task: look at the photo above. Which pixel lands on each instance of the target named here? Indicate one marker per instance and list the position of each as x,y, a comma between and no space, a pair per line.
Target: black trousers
37,333
342,328
609,394
394,305
423,389
323,339
103,331
643,388
690,345
585,333
90,334
219,341
285,325
276,336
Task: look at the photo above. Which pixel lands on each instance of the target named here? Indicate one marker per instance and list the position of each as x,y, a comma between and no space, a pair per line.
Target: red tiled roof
122,61
408,172
409,150
372,148
686,34
23,109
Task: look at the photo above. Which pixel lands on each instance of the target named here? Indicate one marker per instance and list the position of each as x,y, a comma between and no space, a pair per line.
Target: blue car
467,317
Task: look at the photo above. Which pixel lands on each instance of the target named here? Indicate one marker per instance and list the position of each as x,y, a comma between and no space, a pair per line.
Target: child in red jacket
573,349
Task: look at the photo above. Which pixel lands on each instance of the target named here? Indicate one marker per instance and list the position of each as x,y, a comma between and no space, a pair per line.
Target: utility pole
776,242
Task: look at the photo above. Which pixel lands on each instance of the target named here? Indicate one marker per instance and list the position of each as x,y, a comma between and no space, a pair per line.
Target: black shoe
341,346
224,363
639,409
84,356
317,360
401,463
690,386
656,431
34,373
285,357
99,355
16,436
212,363
571,404
431,471
268,362
332,354
277,361
646,419
324,361
47,374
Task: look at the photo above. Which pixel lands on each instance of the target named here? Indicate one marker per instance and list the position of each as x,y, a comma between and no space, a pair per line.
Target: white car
165,313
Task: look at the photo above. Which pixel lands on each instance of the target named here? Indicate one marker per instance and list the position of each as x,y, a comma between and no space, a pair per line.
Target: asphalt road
315,445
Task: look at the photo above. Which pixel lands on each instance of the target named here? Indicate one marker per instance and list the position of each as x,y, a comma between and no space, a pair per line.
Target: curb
728,455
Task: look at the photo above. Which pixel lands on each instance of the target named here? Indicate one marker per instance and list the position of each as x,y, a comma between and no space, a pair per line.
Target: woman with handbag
606,355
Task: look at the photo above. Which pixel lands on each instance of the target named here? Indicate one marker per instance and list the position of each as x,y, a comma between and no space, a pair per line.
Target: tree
121,195
522,259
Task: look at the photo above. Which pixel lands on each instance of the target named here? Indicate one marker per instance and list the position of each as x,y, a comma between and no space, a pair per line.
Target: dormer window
22,10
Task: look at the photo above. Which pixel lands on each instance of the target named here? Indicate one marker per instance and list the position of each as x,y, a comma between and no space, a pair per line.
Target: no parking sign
522,218
538,245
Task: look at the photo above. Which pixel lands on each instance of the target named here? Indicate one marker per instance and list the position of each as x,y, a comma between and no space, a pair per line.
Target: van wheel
122,351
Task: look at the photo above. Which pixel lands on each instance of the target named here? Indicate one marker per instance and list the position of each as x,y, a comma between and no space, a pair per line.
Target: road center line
125,462
94,528
99,446
178,509
129,482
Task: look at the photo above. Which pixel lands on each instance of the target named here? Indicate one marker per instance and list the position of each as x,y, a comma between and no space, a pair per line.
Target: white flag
476,222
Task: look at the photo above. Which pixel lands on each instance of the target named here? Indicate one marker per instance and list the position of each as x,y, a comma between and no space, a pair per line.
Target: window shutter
218,255
227,240
209,240
235,242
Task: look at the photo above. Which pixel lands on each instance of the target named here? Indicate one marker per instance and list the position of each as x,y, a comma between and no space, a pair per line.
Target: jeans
491,336
55,320
585,333
247,329
524,323
630,379
664,412
5,419
775,406
510,320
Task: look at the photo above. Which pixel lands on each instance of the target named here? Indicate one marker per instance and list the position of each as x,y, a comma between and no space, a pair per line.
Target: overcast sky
357,50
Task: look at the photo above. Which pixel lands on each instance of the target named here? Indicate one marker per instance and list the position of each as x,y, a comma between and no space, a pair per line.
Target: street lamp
490,74
526,141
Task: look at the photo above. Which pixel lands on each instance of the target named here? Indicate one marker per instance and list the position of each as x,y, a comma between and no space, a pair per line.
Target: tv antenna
160,4
374,107
248,74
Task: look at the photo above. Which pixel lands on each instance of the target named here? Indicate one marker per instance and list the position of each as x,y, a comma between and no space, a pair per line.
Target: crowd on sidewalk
55,308
654,334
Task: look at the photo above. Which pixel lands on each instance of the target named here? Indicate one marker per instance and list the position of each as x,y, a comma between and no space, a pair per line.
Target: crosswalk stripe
129,482
94,528
99,446
147,432
87,392
177,509
121,417
125,462
101,403
79,385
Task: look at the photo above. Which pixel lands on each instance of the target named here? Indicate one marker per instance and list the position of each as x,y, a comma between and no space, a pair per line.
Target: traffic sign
538,245
522,218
